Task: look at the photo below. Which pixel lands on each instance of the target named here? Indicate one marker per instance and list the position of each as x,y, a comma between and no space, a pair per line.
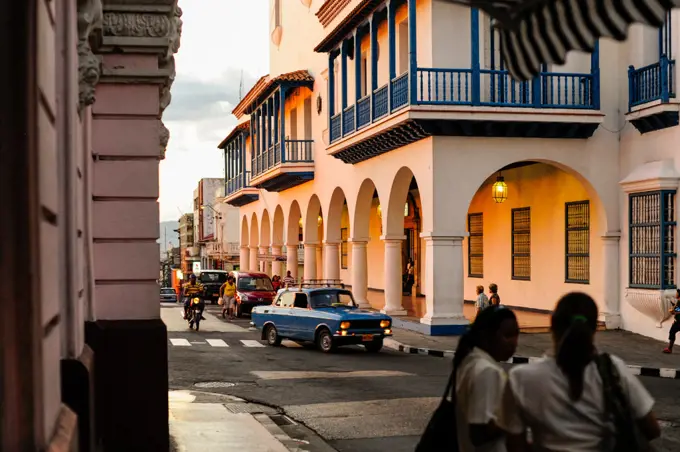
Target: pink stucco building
83,86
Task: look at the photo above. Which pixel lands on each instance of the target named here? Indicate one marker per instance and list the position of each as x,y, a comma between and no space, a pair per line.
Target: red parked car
252,289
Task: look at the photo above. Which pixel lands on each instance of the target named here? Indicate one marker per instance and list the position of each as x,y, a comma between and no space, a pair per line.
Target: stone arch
604,199
393,215
244,231
254,231
334,220
292,225
277,229
360,219
265,229
311,221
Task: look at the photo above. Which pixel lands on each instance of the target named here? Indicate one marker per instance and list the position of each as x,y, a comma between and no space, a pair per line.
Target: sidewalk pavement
210,427
642,354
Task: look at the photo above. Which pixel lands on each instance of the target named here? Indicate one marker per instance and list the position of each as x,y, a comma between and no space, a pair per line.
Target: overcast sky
220,39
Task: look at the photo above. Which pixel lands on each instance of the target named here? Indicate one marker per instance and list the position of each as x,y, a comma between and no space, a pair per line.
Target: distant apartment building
188,249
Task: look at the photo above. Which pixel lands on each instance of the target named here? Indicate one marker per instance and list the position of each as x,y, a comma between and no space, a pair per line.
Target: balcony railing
651,83
238,182
496,88
482,87
296,151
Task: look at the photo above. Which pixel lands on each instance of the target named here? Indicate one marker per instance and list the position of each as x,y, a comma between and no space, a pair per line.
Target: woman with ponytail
561,399
479,379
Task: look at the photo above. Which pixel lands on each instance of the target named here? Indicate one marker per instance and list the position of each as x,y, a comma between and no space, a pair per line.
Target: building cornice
657,175
134,27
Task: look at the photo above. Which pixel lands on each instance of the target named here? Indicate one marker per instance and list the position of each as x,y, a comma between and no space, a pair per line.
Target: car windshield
213,277
326,299
168,292
250,283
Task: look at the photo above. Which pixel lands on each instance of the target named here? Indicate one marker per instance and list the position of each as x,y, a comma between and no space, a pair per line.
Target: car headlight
385,323
344,325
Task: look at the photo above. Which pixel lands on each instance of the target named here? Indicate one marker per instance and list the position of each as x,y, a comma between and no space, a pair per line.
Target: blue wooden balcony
652,86
278,169
238,190
474,88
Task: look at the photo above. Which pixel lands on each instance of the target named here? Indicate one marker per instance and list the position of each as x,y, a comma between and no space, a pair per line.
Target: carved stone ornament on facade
164,138
89,66
136,25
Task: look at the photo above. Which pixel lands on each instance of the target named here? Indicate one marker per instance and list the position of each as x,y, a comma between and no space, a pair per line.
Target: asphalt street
355,401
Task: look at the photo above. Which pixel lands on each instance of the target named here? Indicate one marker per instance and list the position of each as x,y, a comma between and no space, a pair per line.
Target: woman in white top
479,378
561,399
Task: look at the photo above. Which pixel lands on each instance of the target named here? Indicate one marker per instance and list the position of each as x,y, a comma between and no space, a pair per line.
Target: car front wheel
324,341
374,347
272,336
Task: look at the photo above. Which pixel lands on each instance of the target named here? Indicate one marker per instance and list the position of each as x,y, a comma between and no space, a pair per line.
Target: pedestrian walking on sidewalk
288,280
228,293
482,300
578,400
494,299
675,328
478,379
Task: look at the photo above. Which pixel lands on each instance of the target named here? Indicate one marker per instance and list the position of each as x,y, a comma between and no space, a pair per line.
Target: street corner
206,422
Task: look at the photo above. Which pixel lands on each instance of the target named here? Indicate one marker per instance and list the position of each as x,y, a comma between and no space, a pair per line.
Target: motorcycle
194,316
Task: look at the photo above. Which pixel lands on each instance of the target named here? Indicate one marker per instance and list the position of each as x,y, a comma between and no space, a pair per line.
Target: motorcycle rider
190,290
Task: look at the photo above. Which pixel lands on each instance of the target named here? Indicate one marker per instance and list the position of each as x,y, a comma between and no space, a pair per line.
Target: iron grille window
653,256
521,244
476,245
344,234
577,242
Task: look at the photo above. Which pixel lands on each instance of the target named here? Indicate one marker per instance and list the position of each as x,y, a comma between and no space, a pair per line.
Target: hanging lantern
300,222
319,220
379,211
499,191
307,3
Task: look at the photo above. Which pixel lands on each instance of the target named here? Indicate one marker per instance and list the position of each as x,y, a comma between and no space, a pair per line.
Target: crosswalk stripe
180,342
251,343
217,343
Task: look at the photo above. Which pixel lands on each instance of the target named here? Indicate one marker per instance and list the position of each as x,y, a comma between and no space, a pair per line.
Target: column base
131,383
445,326
363,304
611,321
77,391
393,311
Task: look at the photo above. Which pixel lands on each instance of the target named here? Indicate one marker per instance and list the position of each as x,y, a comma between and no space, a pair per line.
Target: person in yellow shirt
228,292
190,290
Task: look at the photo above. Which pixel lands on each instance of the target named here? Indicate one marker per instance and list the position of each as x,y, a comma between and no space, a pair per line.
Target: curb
642,371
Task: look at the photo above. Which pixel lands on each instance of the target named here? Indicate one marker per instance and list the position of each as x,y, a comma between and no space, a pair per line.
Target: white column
254,264
393,277
320,274
331,260
292,260
611,287
360,272
263,264
444,282
277,266
310,260
244,258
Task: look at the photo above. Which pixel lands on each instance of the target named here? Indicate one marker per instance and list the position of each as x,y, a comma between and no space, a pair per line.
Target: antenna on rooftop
240,87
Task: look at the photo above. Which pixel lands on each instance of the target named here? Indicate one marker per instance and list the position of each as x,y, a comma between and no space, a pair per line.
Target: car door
280,313
301,316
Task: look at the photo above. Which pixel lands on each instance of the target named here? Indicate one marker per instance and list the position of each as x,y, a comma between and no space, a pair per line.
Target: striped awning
537,32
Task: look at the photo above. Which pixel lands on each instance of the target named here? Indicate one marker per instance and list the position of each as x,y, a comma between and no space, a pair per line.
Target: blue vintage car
326,316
